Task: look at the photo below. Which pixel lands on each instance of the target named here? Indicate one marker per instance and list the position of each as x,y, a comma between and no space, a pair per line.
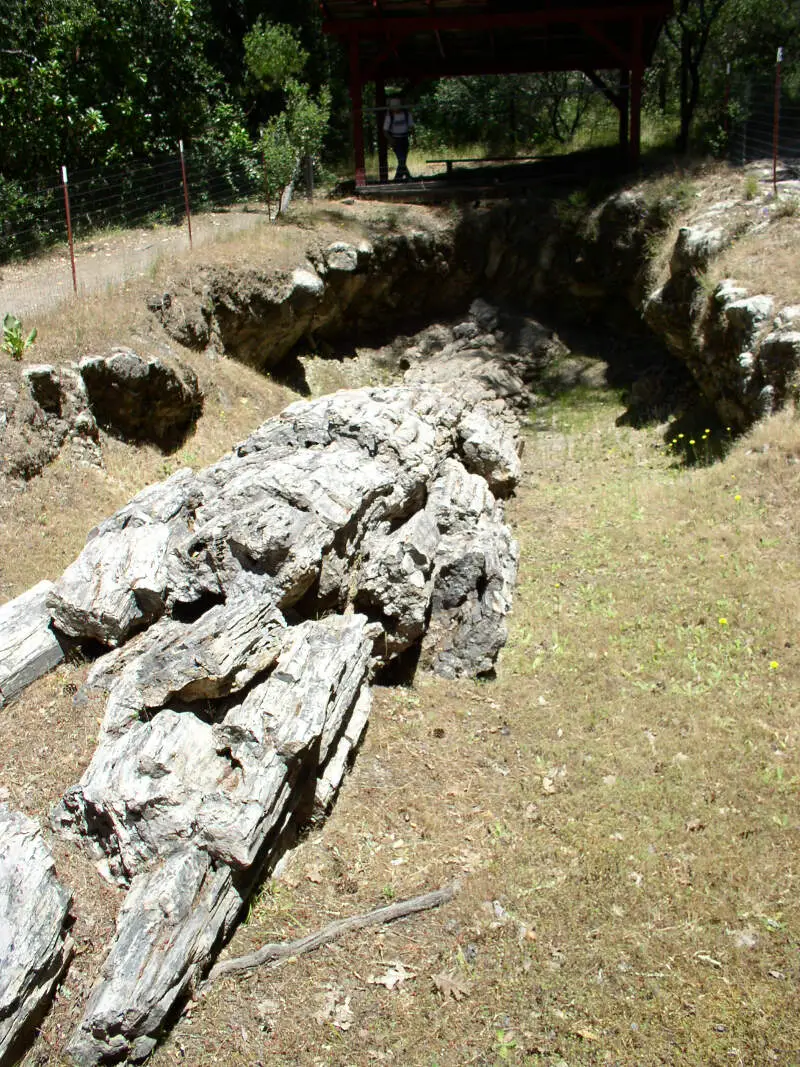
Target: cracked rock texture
34,945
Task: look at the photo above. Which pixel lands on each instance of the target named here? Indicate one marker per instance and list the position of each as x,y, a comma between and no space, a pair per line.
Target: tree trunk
686,111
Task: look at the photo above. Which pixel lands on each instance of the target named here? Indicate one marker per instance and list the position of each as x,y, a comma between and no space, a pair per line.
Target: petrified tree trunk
244,608
28,646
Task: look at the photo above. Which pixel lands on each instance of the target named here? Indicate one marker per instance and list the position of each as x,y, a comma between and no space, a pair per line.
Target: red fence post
186,193
65,182
776,122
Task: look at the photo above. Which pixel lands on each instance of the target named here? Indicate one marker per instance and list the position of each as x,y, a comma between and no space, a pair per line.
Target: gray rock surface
34,945
173,916
41,414
28,646
275,517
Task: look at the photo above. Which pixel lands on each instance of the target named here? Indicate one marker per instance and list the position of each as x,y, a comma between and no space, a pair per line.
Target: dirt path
111,259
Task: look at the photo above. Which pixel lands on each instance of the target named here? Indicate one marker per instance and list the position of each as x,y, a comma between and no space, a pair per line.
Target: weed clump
15,343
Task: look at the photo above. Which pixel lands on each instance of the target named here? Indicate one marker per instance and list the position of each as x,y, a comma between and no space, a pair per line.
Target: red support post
65,182
383,153
356,97
776,121
186,193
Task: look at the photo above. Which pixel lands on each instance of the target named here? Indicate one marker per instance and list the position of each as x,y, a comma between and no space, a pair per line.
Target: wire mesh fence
123,221
145,191
764,115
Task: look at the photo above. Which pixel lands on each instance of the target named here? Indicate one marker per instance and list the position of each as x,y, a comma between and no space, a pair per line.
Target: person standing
397,126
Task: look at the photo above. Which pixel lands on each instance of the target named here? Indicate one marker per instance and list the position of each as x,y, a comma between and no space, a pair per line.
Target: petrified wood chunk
34,946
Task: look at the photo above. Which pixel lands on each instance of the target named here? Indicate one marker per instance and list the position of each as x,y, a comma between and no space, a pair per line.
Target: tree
273,54
275,59
689,32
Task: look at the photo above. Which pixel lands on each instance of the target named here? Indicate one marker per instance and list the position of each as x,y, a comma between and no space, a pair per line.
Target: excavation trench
244,609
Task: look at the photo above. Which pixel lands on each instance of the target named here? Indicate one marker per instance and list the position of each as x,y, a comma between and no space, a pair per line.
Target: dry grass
766,265
764,258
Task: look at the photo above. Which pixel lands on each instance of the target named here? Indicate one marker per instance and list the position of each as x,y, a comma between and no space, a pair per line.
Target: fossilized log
34,946
245,607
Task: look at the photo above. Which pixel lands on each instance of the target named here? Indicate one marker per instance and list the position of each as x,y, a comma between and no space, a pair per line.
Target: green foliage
101,82
307,118
15,343
275,58
508,112
279,157
273,54
296,132
226,152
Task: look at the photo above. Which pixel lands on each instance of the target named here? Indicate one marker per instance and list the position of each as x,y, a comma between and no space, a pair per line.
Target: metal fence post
776,121
186,193
65,183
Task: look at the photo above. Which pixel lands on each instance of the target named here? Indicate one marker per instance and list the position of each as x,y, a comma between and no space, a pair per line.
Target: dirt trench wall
557,259
518,253
524,254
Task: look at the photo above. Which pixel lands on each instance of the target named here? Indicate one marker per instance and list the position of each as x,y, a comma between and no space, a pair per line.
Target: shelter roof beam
456,67
613,98
481,23
613,48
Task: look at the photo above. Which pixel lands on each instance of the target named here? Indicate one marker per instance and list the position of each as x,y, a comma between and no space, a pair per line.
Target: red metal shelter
391,41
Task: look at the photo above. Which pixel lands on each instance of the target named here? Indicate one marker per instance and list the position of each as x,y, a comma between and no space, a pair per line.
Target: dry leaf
588,1035
342,1015
548,786
394,977
451,985
337,1013
314,874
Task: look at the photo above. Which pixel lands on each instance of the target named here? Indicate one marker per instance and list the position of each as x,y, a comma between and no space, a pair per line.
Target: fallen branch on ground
283,950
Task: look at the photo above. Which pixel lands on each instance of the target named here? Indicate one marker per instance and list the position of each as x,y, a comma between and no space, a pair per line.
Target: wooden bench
484,159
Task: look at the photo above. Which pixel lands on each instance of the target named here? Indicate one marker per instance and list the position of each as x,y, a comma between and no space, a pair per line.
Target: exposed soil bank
626,264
